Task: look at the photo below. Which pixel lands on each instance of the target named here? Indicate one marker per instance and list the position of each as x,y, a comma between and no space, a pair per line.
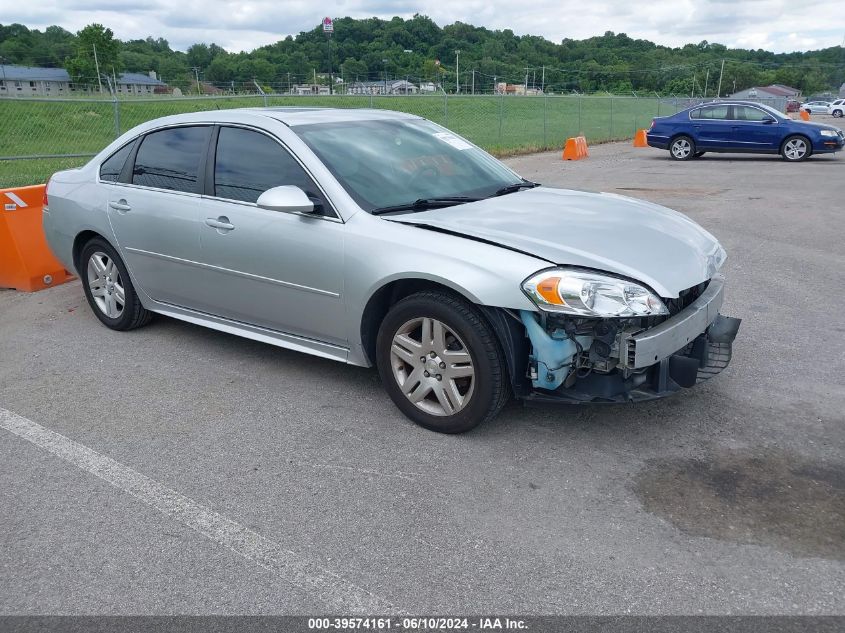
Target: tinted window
249,163
714,112
746,113
170,159
113,165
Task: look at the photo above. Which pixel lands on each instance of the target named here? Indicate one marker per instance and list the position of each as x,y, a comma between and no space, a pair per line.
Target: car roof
291,116
727,102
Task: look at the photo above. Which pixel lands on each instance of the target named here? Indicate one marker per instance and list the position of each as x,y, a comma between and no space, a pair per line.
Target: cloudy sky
779,25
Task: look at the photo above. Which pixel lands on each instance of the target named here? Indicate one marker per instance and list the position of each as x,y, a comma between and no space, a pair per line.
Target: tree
83,66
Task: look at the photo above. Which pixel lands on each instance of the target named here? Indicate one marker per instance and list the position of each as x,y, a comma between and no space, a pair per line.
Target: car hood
818,126
639,240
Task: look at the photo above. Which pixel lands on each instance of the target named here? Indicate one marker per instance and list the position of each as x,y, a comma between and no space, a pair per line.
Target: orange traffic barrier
575,148
26,262
640,138
805,116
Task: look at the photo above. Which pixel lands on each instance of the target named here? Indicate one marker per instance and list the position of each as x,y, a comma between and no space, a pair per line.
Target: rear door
711,127
154,212
755,129
279,270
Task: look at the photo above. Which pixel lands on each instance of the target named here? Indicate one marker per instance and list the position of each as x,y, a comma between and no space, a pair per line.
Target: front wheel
837,114
682,148
440,362
795,148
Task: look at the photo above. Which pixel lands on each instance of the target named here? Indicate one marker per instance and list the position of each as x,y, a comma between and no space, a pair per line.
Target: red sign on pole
328,25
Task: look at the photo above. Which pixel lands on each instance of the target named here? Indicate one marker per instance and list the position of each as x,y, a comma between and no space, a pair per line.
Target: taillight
47,186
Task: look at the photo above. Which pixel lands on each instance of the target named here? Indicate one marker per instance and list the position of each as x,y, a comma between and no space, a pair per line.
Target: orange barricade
575,148
26,262
640,138
805,116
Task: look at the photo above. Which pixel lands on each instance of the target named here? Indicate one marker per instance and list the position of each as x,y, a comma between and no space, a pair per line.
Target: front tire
795,148
109,289
441,363
682,148
837,114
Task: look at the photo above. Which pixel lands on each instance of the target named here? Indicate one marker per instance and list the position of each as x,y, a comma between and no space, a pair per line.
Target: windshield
395,162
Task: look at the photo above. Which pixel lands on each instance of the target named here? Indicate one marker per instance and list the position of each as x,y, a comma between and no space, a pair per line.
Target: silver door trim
237,273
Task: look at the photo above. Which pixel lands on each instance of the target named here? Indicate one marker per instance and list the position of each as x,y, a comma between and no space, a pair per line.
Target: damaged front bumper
631,364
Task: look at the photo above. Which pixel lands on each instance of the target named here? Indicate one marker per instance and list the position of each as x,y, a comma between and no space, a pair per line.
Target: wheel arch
79,242
801,135
509,332
390,293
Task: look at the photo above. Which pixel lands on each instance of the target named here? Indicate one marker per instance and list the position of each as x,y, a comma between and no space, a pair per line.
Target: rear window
170,159
113,165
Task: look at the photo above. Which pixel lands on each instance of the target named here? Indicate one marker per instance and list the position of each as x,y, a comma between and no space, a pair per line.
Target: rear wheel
795,149
108,288
441,363
682,148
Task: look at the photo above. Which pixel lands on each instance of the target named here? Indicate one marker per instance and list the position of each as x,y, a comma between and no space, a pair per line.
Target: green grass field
501,125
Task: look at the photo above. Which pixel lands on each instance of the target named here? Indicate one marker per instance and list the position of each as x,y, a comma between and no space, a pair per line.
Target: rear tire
795,148
109,289
682,148
441,363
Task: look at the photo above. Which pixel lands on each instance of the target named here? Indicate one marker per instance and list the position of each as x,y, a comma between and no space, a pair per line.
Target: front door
752,132
278,270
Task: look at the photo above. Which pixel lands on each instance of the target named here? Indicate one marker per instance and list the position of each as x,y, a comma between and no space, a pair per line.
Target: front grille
685,298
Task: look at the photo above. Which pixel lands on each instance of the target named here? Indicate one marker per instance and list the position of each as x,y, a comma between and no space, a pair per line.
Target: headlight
591,294
832,133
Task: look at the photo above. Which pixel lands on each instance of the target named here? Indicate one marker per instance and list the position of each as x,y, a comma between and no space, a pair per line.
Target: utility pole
693,85
495,85
473,81
719,89
457,71
97,66
289,86
706,82
197,75
526,82
543,81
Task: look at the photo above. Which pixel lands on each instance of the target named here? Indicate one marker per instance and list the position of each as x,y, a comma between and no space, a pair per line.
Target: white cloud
780,25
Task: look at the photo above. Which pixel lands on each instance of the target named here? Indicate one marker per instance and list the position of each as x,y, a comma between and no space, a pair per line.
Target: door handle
221,223
120,205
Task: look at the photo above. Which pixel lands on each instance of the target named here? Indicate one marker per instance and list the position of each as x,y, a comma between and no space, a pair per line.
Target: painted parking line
338,594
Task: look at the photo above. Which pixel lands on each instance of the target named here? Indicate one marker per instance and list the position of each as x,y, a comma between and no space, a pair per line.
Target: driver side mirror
286,198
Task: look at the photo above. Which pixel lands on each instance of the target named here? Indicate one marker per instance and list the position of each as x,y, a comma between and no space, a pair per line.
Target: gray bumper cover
647,347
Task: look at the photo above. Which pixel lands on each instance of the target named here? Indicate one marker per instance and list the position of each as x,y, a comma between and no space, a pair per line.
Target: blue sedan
741,126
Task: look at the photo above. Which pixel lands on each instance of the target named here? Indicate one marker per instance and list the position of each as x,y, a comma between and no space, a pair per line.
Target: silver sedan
382,239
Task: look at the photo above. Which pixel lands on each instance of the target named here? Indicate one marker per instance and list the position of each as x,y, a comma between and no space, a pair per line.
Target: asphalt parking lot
302,490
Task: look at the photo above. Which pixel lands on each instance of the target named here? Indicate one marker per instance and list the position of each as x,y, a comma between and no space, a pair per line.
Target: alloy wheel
106,285
795,149
681,148
432,366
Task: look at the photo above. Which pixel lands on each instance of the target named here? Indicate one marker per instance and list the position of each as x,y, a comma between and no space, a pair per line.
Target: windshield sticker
454,141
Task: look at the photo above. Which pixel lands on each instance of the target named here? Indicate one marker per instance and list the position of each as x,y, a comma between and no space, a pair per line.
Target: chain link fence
41,136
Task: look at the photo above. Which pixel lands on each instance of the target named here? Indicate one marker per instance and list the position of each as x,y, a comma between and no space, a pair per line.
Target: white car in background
816,107
837,108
